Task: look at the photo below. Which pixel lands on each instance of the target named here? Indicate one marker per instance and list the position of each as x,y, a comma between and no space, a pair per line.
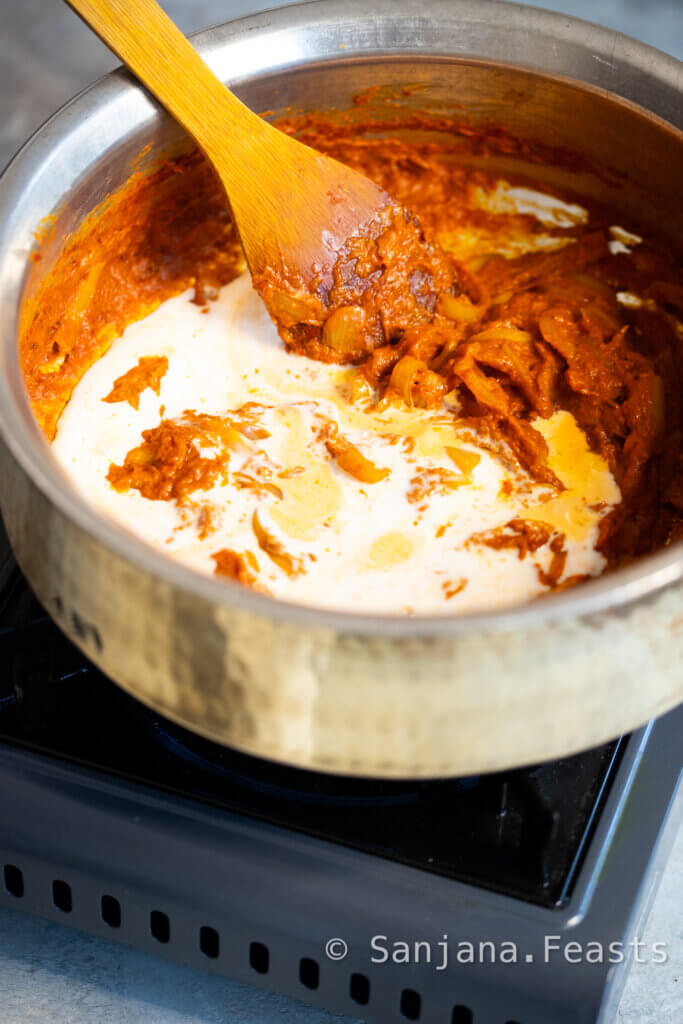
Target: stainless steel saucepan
372,695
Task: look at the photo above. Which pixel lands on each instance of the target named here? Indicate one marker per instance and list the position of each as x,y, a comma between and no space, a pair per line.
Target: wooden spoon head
312,205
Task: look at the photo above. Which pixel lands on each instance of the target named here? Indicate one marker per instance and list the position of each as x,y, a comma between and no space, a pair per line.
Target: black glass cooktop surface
521,832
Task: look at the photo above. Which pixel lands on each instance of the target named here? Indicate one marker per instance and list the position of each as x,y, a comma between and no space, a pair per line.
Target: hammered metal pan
370,695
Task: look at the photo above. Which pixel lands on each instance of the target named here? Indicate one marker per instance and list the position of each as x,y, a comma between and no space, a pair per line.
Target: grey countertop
52,974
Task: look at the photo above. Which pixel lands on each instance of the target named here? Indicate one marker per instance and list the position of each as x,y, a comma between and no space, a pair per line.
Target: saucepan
370,695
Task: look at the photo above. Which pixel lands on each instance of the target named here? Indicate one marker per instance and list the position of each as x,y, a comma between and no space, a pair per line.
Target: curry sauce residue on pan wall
555,344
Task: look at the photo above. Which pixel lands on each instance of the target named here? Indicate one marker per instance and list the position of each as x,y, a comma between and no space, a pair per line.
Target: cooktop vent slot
411,1004
111,911
309,973
209,942
160,926
61,896
13,880
359,989
259,957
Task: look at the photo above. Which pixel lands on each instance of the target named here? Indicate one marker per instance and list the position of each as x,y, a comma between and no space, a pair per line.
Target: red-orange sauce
147,373
234,566
513,339
168,464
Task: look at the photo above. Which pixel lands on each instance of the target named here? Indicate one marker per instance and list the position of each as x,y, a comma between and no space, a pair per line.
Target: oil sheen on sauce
410,542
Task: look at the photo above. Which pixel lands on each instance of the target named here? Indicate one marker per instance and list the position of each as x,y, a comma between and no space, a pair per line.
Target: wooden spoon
294,207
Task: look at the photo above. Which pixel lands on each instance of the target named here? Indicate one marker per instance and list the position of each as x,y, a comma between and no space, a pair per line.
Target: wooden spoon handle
286,197
152,46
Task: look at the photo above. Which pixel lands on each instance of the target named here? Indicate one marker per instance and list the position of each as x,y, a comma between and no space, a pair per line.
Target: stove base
259,903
